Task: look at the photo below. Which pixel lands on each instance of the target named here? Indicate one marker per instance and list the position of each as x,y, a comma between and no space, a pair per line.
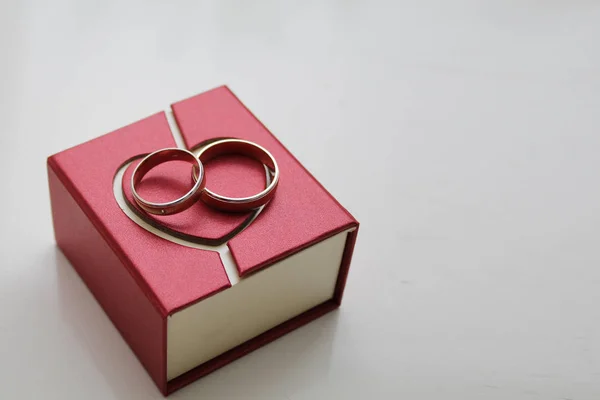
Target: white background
464,136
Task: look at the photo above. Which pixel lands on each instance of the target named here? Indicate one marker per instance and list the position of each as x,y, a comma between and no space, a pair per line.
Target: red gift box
194,291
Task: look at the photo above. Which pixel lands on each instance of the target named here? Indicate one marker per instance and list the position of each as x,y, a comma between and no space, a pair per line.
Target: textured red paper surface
139,322
140,278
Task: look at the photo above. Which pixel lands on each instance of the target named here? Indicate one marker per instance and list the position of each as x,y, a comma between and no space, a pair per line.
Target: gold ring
245,148
159,157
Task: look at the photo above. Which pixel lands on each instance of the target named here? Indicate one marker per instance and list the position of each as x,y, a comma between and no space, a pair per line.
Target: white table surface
464,136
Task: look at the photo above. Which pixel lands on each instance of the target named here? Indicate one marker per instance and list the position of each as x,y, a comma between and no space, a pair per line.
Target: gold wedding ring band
157,158
245,148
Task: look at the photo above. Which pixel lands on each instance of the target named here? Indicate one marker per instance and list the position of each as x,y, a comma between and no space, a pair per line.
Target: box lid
174,276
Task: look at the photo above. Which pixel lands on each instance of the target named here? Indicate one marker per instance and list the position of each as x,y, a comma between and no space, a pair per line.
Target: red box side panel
139,322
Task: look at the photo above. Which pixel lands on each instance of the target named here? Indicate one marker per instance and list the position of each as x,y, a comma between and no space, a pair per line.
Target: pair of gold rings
199,190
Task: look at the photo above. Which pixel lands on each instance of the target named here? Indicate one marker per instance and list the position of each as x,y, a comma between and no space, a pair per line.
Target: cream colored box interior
253,305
